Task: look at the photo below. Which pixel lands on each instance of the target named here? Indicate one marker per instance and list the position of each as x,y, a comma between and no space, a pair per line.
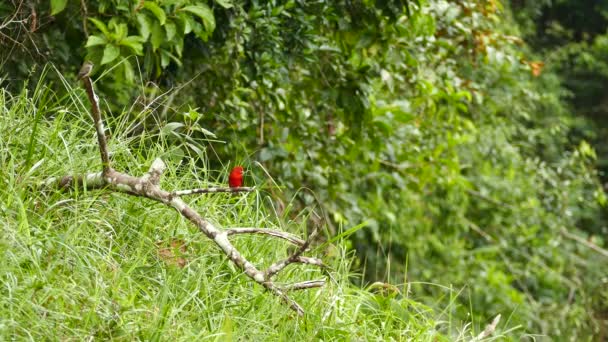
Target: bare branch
584,242
91,180
211,190
98,121
156,170
85,14
310,261
295,257
11,20
489,330
305,285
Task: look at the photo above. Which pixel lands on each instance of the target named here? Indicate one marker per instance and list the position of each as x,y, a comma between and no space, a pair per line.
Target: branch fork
148,186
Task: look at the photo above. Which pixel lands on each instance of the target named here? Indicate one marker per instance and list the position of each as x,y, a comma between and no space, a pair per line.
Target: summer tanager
235,179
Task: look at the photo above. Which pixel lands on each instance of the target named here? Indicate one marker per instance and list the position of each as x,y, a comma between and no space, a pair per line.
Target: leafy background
462,138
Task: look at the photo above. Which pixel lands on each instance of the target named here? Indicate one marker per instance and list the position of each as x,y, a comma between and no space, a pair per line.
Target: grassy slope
87,264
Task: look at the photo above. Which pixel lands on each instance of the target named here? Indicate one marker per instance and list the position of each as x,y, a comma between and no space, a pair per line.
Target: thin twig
489,330
10,20
310,261
294,257
212,190
85,14
304,285
479,231
584,242
98,121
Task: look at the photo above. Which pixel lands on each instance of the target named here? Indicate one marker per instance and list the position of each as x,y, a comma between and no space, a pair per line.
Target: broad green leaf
95,40
144,25
101,26
171,30
121,30
178,46
134,43
156,10
129,72
199,30
175,59
58,6
194,147
224,3
205,131
184,21
110,53
157,36
171,127
164,58
94,55
192,114
204,12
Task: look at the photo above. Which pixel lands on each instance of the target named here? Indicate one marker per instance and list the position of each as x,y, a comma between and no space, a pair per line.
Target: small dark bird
85,70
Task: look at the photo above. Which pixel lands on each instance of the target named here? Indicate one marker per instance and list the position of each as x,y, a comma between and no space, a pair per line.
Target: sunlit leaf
158,12
58,6
204,12
110,53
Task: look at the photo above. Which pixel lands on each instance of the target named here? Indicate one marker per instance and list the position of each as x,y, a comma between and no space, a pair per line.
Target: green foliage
431,123
86,264
572,37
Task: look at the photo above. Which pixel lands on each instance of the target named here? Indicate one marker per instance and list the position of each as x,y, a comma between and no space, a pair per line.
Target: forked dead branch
148,186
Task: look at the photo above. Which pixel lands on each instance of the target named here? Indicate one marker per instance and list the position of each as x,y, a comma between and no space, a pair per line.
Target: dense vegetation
89,265
426,132
572,37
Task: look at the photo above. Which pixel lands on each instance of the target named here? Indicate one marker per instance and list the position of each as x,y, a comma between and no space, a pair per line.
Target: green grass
86,264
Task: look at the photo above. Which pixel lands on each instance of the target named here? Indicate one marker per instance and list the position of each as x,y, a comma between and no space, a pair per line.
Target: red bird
235,179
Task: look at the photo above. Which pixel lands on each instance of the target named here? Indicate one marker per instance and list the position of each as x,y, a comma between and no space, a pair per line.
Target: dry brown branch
85,15
148,186
489,330
16,30
11,20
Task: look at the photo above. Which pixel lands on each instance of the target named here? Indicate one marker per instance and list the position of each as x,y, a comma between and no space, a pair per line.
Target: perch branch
148,186
211,190
295,257
98,121
305,285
